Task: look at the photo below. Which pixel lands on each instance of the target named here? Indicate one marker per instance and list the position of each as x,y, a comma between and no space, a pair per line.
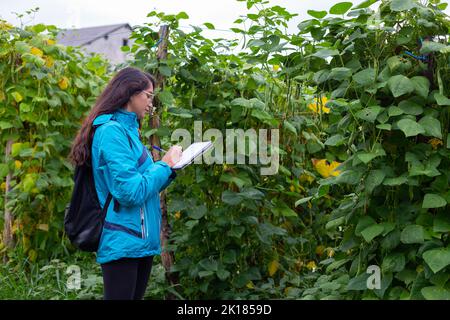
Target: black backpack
84,217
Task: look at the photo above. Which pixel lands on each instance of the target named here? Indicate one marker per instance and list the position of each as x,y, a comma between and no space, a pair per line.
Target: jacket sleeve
171,178
128,186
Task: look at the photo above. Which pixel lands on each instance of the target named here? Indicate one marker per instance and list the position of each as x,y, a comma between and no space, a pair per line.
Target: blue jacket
133,220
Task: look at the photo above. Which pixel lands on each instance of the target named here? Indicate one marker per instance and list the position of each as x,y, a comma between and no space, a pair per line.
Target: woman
122,165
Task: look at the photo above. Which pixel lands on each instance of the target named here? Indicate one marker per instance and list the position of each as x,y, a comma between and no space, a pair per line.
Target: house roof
83,36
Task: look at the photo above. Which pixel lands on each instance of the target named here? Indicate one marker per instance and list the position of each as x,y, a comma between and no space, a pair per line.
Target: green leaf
371,232
340,73
325,53
400,85
197,212
410,128
421,85
412,234
374,179
410,107
223,274
317,14
289,126
366,157
441,223
437,259
335,140
229,257
432,126
369,114
236,231
303,200
341,7
3,170
431,46
394,262
441,100
402,5
432,200
5,125
394,111
209,25
392,182
365,77
435,293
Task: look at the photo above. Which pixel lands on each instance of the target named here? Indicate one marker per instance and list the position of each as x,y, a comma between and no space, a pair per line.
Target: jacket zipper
142,224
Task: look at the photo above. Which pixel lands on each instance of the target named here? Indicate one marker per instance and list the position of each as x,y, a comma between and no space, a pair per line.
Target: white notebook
192,152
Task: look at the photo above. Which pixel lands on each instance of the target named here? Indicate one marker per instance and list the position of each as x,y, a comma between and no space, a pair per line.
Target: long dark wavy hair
121,87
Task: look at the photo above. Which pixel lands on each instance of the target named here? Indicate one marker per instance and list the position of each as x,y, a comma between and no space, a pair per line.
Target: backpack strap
95,126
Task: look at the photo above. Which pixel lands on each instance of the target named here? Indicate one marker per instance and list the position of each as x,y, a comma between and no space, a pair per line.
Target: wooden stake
167,257
8,239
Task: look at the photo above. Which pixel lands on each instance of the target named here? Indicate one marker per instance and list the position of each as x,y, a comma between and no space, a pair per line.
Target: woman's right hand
173,155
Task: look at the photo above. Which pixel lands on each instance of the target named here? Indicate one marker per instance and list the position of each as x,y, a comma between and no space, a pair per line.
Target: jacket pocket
119,227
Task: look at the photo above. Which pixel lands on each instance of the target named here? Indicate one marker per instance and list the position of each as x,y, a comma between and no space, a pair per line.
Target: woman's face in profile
142,102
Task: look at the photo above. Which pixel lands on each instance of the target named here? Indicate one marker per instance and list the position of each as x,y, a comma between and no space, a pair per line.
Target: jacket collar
128,118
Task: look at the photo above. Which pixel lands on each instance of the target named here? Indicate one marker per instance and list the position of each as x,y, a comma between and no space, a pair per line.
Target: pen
159,149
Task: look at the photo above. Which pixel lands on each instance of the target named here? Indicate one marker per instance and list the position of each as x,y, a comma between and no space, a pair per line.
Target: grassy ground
52,280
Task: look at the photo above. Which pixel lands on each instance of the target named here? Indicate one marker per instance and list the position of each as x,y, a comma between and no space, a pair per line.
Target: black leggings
126,278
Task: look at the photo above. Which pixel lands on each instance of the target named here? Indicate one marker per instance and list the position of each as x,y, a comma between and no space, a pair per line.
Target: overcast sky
87,13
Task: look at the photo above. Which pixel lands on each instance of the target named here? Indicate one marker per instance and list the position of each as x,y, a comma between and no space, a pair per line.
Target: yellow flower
325,169
50,42
330,252
275,67
311,266
63,83
435,143
178,215
319,106
36,52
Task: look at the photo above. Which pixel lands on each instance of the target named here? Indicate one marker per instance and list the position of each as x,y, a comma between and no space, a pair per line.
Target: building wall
110,47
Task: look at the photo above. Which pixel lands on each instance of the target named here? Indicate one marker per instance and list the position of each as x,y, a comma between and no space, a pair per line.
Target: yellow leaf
63,83
18,164
319,250
273,267
3,186
2,95
292,188
435,143
49,62
177,215
36,52
250,285
32,255
17,96
42,226
276,67
304,177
